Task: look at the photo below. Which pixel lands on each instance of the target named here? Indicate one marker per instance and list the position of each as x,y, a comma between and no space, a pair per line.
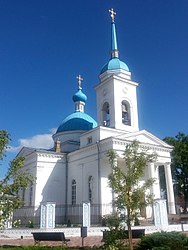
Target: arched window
126,115
90,189
106,114
73,192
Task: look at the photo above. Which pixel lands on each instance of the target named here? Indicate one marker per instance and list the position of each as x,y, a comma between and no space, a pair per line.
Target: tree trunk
185,198
129,230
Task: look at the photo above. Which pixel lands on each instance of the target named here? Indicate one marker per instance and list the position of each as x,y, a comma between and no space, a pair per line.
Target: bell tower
116,92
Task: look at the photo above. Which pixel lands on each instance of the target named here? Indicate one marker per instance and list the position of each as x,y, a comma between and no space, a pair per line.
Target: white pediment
145,137
25,151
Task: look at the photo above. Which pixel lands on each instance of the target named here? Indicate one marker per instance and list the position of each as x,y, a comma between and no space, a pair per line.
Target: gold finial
113,13
80,79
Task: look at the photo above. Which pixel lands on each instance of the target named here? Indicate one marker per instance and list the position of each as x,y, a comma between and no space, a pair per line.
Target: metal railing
64,214
71,215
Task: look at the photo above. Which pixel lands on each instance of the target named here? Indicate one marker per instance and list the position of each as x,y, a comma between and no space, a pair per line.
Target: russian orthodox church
76,169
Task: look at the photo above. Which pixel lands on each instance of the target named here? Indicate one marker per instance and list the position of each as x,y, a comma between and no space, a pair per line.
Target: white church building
76,169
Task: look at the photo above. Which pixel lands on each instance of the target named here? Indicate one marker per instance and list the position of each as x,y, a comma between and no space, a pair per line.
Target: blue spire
114,62
114,38
114,47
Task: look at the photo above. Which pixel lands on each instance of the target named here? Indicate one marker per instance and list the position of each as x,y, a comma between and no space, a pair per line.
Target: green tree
180,165
124,180
14,180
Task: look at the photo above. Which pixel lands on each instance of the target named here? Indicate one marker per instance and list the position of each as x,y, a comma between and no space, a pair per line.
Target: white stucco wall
81,165
50,183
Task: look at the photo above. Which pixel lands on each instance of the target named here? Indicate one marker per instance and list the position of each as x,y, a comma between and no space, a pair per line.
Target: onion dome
79,96
78,120
114,62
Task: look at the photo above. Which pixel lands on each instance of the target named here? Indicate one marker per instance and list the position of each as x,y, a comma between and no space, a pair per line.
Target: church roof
114,62
77,121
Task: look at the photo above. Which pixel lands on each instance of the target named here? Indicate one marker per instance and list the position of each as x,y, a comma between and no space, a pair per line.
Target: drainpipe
66,187
99,181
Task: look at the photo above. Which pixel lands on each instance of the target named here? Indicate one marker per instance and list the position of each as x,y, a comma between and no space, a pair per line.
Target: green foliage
163,240
114,237
124,180
4,140
160,248
30,224
16,223
180,163
113,220
14,180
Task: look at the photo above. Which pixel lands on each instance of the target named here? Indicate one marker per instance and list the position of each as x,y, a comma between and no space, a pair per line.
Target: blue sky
45,44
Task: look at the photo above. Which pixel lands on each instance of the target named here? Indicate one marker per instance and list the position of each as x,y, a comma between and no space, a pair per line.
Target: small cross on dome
80,79
113,13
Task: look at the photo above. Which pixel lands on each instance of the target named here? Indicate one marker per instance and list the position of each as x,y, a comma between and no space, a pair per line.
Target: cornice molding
48,155
142,145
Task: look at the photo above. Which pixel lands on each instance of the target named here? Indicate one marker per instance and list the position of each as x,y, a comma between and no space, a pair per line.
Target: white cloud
44,141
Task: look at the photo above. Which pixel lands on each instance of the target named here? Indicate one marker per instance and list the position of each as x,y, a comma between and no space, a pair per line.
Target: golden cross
113,13
80,79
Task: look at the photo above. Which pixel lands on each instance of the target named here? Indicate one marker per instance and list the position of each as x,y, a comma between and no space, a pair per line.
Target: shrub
16,223
114,237
160,248
30,224
163,240
112,220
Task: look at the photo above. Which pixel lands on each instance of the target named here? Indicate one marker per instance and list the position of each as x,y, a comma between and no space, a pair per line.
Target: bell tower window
126,115
106,114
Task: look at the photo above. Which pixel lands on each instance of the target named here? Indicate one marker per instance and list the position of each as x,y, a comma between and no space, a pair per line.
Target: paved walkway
23,237
74,242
